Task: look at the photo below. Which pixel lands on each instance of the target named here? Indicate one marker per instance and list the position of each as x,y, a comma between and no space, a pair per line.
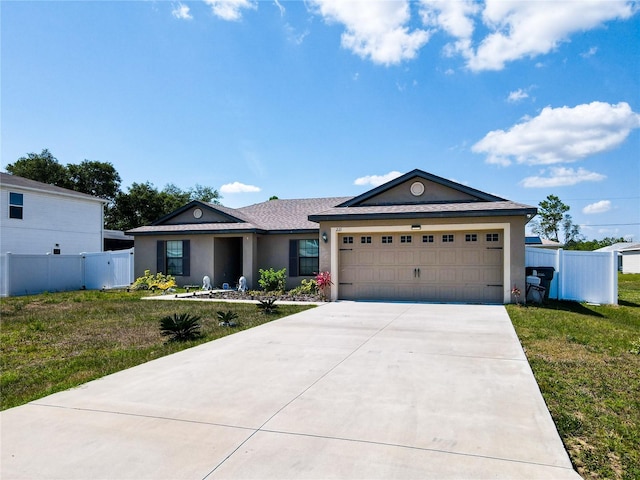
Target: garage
433,266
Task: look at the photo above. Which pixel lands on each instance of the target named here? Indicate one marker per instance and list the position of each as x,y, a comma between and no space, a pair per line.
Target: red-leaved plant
323,279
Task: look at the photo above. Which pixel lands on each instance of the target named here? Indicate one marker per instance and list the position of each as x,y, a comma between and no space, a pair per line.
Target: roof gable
419,187
211,213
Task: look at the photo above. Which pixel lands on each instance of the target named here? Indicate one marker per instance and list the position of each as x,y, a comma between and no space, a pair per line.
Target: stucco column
250,259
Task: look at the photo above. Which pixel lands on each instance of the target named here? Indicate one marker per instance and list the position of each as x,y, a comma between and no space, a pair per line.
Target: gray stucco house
418,237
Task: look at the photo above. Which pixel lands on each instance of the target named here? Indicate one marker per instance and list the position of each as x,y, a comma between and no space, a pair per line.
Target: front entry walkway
345,390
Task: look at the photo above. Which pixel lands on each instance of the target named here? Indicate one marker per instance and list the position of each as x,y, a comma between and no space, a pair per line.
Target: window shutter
293,258
186,258
160,256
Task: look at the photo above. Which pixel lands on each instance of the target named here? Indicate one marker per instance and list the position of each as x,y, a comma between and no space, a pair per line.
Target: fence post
6,278
560,264
614,284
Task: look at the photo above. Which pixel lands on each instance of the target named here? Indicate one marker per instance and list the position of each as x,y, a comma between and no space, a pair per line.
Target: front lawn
53,342
586,360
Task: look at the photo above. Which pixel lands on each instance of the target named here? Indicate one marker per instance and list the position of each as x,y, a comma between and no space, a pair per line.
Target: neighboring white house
628,256
37,218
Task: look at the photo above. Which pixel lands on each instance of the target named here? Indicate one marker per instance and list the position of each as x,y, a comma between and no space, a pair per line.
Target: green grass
52,342
586,359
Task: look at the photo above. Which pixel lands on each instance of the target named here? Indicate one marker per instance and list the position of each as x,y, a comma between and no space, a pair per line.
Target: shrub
272,280
150,282
307,287
324,282
228,318
180,327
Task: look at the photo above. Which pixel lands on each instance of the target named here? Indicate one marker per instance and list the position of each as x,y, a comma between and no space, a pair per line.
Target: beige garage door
433,266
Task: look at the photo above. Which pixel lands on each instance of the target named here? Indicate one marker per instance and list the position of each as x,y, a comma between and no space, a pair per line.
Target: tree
590,245
143,204
554,218
42,167
99,179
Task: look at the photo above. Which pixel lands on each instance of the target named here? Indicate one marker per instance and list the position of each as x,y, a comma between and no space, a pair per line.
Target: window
427,239
347,240
15,205
493,237
405,238
448,238
365,239
303,257
471,237
173,257
387,239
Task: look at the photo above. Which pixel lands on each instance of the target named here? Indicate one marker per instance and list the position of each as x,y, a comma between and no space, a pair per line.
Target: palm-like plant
228,318
267,305
180,327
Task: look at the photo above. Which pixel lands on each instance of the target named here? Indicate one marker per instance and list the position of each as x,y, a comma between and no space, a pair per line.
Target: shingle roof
425,210
272,216
288,214
7,180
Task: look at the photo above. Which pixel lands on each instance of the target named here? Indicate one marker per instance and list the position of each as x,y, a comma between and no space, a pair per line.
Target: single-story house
418,237
628,256
538,242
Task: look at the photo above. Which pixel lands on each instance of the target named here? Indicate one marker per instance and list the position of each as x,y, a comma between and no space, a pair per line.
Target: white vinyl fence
580,276
22,274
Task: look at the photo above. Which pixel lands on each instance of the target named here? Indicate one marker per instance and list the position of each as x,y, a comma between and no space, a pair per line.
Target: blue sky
330,98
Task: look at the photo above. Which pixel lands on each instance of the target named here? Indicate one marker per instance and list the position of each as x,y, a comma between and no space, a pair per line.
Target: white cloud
562,177
589,53
516,29
526,29
517,95
598,207
560,135
375,30
237,187
182,12
376,180
280,7
230,9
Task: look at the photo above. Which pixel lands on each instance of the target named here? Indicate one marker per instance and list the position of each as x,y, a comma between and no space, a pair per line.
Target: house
537,242
419,237
628,256
38,218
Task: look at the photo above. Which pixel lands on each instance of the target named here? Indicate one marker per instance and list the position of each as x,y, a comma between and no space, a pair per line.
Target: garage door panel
471,257
366,275
471,275
446,257
428,257
366,257
405,257
447,275
387,257
387,274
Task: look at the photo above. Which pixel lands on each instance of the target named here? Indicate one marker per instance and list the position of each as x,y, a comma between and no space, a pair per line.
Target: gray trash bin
545,274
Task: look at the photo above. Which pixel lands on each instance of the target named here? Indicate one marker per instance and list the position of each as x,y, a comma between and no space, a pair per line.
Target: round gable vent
417,189
197,213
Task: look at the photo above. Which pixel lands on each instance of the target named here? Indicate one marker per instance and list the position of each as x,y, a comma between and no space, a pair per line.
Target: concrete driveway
346,390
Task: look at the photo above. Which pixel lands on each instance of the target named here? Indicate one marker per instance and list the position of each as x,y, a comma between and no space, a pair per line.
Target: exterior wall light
325,239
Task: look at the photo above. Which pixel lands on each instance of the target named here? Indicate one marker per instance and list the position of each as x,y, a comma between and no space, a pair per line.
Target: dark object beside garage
545,274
